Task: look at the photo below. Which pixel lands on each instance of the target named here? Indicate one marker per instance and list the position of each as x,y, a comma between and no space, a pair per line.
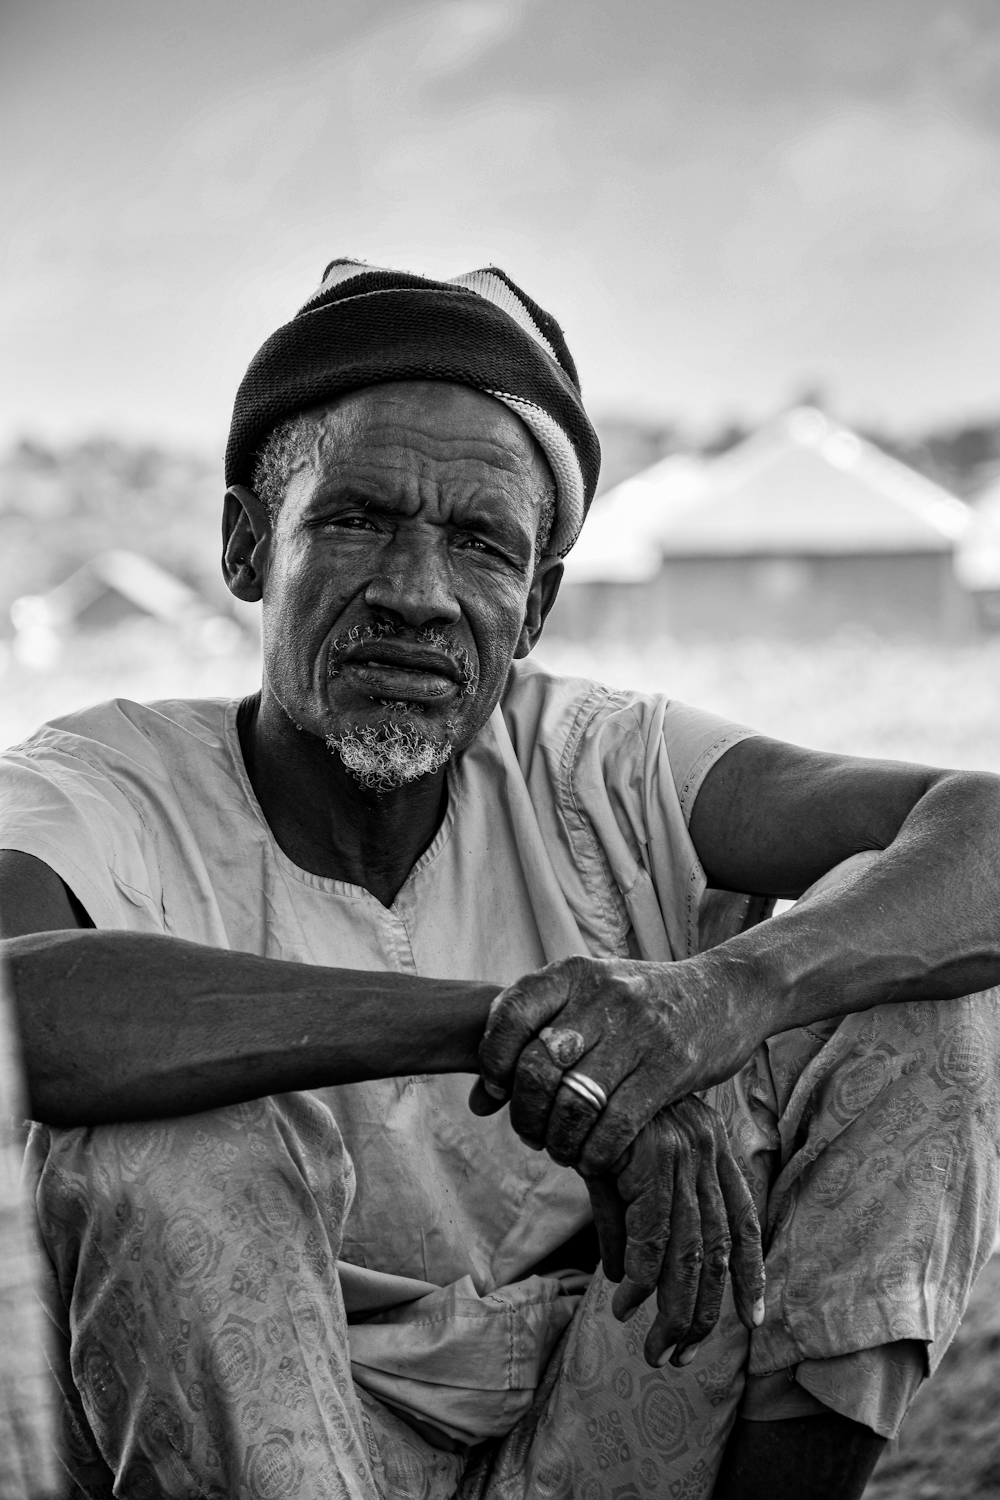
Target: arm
131,1026
916,920
120,1025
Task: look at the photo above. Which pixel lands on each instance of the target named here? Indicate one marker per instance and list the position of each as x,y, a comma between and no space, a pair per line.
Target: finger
648,1180
677,1288
535,1085
630,1107
717,1245
609,1221
516,1015
570,1122
482,1103
746,1258
574,1113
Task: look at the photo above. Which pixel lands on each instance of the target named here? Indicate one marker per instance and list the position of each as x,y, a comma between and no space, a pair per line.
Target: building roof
150,589
43,621
977,561
800,486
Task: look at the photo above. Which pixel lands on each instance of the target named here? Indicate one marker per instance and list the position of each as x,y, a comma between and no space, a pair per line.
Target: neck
321,816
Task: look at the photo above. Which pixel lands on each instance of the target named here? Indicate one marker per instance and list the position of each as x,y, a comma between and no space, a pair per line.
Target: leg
196,1261
885,1203
605,1425
805,1458
882,1212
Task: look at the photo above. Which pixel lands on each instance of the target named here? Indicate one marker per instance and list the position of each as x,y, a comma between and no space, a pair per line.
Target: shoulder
120,733
98,794
542,705
617,735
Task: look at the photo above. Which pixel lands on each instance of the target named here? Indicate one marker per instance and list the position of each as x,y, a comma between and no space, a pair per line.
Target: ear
541,597
246,539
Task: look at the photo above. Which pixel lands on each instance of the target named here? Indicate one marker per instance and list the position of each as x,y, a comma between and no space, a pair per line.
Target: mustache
427,637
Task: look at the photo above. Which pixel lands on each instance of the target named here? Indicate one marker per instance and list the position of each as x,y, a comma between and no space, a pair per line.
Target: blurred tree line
60,506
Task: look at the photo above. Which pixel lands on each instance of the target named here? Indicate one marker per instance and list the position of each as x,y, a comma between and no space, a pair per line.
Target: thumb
481,1102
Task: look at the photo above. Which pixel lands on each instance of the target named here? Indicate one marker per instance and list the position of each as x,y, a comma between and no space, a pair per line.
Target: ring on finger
586,1088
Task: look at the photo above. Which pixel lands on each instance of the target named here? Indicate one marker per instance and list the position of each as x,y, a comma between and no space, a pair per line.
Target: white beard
384,757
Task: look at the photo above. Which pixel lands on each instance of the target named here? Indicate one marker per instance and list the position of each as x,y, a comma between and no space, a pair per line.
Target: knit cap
365,326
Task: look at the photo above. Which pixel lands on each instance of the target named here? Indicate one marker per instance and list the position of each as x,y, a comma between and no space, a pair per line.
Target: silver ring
586,1088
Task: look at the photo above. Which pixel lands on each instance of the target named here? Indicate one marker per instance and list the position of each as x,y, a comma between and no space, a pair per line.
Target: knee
917,1063
271,1168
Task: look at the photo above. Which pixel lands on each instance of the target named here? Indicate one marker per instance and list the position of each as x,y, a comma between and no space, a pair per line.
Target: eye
355,521
470,542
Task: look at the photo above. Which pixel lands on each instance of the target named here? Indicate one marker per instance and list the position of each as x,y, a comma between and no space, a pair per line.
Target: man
302,1265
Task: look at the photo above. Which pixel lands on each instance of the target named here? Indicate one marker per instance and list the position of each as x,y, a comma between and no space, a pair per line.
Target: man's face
400,567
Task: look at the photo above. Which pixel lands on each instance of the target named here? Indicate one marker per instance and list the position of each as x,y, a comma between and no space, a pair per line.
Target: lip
408,658
387,671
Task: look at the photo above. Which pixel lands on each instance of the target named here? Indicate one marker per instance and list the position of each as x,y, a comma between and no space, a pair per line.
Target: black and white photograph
499,750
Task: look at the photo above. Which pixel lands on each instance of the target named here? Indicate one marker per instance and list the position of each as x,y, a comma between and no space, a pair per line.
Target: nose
414,584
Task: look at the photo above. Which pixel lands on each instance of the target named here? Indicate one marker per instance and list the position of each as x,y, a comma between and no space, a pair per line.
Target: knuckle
673,1322
534,1066
746,1225
690,1260
704,1323
717,1260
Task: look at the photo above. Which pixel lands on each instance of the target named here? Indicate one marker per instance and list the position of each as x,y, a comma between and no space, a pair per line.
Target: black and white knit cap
365,326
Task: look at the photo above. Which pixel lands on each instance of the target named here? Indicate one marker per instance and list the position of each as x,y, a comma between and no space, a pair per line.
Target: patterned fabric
195,1262
27,1398
879,1135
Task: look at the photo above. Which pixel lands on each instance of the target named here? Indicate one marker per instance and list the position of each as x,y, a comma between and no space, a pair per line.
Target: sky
724,202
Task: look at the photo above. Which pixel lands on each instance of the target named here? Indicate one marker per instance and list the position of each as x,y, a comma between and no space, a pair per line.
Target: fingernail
665,1356
494,1090
688,1355
758,1312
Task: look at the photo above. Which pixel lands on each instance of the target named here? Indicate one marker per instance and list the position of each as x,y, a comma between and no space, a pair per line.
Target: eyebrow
481,511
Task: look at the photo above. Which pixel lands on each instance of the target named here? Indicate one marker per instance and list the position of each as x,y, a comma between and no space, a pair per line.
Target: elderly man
287,1257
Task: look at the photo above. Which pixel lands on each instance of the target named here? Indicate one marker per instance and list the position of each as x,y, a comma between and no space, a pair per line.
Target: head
398,537
408,462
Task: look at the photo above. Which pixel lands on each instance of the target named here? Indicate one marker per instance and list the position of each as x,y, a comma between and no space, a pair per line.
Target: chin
393,751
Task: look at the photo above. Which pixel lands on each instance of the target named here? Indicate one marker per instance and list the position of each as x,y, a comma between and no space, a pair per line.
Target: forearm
124,1026
915,921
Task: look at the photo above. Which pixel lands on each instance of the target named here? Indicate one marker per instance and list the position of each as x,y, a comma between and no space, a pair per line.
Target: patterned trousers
197,1301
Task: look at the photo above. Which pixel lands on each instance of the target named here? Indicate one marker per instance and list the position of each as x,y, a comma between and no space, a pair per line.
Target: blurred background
771,230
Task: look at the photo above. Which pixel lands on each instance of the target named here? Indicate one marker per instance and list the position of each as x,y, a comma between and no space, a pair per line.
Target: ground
949,1448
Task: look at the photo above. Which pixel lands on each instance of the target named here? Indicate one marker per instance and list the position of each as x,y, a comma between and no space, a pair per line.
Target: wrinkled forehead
431,424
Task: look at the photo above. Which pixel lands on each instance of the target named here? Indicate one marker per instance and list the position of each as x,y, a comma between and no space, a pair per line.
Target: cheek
302,609
495,618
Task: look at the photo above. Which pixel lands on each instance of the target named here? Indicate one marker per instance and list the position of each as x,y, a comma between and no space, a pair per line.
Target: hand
672,1216
647,1033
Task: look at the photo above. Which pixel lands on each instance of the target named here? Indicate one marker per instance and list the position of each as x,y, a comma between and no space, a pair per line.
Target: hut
110,589
801,530
977,560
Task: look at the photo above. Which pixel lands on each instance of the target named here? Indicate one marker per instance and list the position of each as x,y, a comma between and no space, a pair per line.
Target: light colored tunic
147,814
566,832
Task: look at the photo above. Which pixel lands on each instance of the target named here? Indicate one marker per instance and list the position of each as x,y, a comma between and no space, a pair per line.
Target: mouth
393,671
